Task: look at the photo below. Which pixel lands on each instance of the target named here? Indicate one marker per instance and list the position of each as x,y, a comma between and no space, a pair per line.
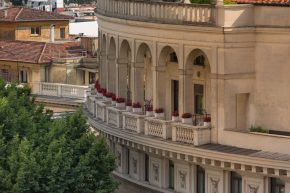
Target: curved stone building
227,65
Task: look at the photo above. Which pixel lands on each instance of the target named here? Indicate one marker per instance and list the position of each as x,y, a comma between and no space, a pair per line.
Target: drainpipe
52,33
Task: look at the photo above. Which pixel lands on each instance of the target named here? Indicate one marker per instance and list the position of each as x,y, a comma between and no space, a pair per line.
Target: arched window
173,57
199,60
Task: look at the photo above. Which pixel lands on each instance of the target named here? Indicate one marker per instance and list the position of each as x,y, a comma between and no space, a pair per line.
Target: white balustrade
177,13
101,111
197,135
133,122
59,90
158,128
115,116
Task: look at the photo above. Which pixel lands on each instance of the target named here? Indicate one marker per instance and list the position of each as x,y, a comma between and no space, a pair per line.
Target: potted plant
104,92
186,118
128,106
99,92
159,113
109,96
120,102
206,121
149,111
114,98
175,116
137,107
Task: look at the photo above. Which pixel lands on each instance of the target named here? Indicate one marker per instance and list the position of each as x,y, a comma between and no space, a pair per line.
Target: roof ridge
18,14
40,56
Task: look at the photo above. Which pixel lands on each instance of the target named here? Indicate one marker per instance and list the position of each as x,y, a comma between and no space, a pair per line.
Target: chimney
52,33
5,13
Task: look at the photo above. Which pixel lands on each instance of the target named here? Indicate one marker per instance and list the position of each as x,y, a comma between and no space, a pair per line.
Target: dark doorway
198,98
175,91
146,167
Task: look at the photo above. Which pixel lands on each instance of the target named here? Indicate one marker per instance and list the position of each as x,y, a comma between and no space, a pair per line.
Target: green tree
39,154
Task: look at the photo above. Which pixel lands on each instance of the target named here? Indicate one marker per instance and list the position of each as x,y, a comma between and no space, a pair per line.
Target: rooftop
33,52
16,14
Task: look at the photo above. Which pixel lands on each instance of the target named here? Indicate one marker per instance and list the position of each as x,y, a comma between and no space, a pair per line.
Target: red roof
33,52
14,14
265,2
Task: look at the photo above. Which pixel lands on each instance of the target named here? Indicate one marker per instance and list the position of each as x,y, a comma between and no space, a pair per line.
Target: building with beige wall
229,62
20,23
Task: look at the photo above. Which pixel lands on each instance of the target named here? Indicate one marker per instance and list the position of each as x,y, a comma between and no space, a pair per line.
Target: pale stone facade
235,57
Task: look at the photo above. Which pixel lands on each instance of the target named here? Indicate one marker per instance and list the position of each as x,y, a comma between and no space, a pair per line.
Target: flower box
149,111
159,113
175,116
129,106
186,118
207,121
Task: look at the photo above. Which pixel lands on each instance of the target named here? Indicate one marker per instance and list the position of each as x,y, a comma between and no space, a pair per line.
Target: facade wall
22,30
239,78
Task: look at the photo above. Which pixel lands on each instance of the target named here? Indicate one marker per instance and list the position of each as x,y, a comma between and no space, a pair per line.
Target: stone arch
198,82
168,80
124,66
143,73
112,65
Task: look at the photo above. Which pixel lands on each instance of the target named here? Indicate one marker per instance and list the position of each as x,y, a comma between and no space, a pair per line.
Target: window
92,77
23,76
62,33
277,185
173,57
146,167
35,31
199,60
200,180
236,183
171,174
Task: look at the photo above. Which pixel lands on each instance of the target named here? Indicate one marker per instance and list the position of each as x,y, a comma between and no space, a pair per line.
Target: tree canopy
39,154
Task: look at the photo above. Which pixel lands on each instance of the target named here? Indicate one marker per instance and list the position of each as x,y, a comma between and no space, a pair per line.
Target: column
121,77
111,75
137,82
159,87
186,99
103,69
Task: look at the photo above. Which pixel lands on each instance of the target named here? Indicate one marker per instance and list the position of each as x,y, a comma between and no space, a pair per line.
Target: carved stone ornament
156,172
119,156
253,188
182,177
134,165
214,185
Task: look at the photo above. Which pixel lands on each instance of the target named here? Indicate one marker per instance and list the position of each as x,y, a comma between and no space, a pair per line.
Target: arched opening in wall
112,66
168,81
144,75
198,83
124,66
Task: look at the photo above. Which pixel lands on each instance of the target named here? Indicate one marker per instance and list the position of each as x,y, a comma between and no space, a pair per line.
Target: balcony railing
175,13
158,128
140,124
59,90
197,135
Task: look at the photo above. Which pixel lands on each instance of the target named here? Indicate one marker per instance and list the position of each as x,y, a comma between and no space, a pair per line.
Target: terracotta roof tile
33,52
15,14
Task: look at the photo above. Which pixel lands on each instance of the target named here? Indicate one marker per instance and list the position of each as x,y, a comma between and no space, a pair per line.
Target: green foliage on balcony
259,129
39,154
201,1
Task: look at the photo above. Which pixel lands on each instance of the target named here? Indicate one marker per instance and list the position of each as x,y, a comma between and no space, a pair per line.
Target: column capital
159,68
185,72
137,64
122,61
111,57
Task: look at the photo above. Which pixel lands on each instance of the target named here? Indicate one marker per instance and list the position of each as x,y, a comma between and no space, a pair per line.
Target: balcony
172,13
138,123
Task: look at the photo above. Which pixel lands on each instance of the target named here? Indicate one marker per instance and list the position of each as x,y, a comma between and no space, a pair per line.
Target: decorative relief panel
119,158
134,161
182,179
156,172
214,185
253,188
